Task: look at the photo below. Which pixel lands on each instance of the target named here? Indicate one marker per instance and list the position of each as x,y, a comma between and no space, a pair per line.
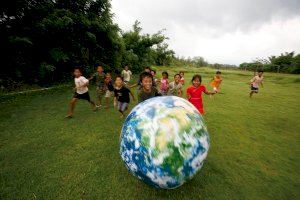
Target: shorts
84,96
255,89
108,94
122,106
100,92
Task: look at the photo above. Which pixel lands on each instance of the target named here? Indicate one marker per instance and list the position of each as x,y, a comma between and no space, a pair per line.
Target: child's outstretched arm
209,92
132,96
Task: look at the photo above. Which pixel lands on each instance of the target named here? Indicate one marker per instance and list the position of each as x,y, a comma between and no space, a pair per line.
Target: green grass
254,150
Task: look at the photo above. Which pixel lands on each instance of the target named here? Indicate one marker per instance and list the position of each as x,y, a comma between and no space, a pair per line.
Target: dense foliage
285,63
42,40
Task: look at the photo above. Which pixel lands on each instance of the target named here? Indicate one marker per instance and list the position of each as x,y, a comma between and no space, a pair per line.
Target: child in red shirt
194,93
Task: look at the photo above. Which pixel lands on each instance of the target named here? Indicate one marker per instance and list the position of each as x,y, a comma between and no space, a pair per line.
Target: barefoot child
147,91
126,74
194,93
255,82
81,91
164,83
100,90
121,93
175,87
181,73
109,88
216,82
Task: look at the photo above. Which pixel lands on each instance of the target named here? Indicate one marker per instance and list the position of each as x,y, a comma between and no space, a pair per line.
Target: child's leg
99,96
72,106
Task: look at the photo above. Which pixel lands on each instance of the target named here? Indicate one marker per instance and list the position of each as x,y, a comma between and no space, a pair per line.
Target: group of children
148,86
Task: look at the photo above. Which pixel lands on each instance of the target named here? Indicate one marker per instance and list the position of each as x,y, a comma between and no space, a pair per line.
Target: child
81,91
255,82
155,80
194,93
121,98
100,90
147,91
109,88
126,74
181,73
175,87
164,83
216,82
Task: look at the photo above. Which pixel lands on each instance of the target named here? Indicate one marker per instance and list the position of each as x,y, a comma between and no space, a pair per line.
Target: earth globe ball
164,141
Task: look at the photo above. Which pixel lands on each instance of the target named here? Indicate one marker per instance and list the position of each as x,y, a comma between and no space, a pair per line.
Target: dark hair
147,68
181,72
153,71
177,75
145,74
78,68
166,73
218,72
119,76
197,76
261,71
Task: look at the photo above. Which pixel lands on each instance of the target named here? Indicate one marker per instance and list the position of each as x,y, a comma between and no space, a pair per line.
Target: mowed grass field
254,150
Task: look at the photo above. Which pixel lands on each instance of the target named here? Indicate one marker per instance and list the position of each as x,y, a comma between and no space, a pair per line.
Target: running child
216,82
255,82
175,87
109,88
100,89
147,90
121,94
164,83
155,80
194,93
126,74
81,91
181,73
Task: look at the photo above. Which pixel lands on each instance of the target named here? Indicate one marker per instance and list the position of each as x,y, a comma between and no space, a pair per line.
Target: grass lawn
254,150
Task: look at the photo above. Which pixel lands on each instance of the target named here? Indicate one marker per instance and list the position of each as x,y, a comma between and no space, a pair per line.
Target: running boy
216,82
194,93
109,88
100,90
81,91
121,93
126,74
175,87
255,82
147,90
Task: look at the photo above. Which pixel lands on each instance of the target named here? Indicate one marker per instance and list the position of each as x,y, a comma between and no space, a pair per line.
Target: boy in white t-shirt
255,82
126,74
81,91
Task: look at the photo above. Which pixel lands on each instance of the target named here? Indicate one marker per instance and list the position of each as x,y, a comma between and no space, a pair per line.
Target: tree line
287,62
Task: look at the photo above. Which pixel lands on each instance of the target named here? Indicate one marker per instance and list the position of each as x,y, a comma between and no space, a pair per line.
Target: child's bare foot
68,116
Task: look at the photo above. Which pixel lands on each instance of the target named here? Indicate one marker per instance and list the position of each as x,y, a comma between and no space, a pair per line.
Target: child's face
147,83
99,69
177,79
119,82
164,76
147,70
108,76
196,82
77,73
260,73
153,73
218,75
126,68
181,74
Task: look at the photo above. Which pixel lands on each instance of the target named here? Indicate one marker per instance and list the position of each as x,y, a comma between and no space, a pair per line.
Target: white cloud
228,31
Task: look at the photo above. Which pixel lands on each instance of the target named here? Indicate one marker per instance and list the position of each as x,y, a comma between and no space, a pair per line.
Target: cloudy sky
221,31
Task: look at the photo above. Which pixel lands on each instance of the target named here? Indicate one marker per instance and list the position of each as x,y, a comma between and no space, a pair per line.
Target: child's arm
180,93
132,96
115,101
209,92
133,85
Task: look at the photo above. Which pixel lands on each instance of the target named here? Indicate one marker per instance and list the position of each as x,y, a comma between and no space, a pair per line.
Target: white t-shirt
174,88
79,82
126,75
256,81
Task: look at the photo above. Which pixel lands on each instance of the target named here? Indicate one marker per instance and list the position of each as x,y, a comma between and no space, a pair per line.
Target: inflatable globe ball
164,141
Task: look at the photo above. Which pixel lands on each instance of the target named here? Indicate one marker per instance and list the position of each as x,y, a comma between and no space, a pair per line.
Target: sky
221,31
